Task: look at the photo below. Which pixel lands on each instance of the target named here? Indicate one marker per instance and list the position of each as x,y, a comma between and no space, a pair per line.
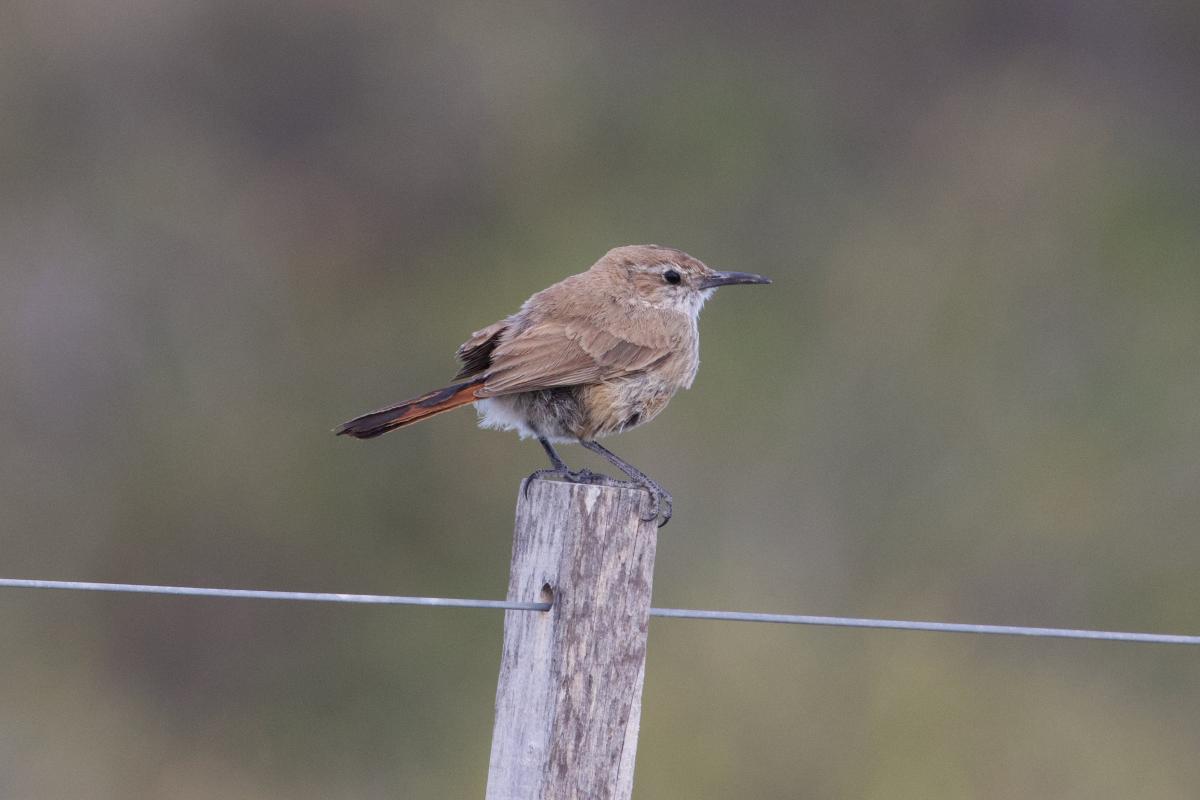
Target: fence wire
673,613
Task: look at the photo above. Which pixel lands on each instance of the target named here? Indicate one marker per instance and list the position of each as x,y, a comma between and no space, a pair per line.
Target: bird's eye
672,277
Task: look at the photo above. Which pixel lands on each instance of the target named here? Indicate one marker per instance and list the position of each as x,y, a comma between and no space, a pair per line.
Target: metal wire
938,627
676,613
258,594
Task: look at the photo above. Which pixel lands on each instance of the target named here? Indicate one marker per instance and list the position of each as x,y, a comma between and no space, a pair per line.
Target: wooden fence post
569,698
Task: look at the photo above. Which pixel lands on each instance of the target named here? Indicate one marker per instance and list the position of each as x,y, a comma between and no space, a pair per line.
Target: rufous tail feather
386,419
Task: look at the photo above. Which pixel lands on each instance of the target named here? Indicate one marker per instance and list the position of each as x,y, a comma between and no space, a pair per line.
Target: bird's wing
566,353
476,353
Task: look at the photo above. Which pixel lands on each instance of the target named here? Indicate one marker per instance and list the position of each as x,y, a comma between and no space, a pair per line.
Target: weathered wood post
569,698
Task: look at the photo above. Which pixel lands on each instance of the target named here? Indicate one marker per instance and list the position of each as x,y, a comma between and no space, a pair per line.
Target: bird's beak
727,278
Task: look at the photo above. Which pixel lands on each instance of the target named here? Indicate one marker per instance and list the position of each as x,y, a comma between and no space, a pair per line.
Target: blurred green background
971,394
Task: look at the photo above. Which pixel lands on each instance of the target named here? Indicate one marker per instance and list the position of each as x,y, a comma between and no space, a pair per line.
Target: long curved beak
728,278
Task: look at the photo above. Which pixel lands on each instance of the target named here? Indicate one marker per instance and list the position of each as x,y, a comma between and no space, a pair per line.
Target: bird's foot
660,498
571,476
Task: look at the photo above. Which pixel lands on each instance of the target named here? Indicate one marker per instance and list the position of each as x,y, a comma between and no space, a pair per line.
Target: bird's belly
555,414
571,413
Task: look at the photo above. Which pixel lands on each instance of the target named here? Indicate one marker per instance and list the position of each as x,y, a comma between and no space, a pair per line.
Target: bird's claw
661,502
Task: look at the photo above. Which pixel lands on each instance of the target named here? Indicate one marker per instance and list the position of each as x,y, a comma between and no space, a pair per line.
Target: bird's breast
618,405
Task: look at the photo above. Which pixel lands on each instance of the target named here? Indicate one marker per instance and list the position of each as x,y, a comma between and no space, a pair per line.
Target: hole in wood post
547,594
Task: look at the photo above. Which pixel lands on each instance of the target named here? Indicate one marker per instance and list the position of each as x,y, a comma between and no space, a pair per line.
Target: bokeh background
971,394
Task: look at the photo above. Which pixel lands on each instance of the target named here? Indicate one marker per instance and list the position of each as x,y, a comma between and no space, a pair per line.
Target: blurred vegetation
970,395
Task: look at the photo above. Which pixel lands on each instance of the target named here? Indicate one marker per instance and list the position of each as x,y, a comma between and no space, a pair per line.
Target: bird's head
666,278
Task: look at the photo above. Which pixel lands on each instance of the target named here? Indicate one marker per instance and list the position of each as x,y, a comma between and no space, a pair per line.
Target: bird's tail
385,419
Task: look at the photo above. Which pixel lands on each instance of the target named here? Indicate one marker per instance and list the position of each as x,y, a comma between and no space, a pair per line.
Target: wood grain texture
568,703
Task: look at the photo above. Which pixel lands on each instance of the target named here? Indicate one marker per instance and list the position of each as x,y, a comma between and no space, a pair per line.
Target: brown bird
595,354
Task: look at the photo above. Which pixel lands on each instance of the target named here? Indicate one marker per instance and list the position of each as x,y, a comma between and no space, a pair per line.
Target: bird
595,354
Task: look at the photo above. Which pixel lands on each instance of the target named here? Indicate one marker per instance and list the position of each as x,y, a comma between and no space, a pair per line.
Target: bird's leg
660,497
559,468
555,459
